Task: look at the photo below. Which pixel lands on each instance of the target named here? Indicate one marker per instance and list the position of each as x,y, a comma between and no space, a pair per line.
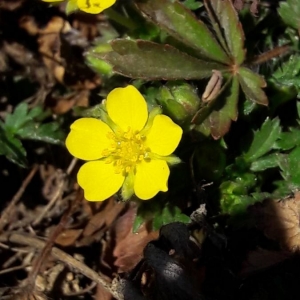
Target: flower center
126,151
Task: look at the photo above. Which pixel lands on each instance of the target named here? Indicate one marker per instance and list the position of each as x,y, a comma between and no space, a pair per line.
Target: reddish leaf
180,23
150,61
231,35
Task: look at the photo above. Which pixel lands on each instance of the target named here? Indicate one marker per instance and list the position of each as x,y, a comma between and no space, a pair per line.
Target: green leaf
150,61
160,214
288,140
289,11
137,223
294,167
49,133
12,148
180,23
264,163
97,64
192,4
16,120
231,35
168,215
235,205
264,140
251,84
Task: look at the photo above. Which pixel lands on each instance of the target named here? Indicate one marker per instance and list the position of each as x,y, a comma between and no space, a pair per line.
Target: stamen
126,150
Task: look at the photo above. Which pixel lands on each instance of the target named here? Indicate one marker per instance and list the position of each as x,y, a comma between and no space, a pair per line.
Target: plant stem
266,56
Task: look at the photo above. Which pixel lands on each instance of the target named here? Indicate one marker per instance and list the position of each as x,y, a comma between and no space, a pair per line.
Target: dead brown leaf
61,105
279,221
49,42
129,246
102,220
68,237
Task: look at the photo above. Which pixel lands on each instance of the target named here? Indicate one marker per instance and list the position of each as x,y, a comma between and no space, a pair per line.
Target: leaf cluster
26,124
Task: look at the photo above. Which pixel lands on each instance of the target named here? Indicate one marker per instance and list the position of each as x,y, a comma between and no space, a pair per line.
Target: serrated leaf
150,61
290,13
288,140
49,132
264,139
264,163
252,84
238,205
180,23
286,73
168,215
12,148
231,35
15,120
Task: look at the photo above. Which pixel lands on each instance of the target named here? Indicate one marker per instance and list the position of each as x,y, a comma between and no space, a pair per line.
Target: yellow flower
89,6
131,149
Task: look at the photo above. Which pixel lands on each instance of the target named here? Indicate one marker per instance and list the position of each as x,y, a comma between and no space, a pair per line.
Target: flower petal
94,6
127,108
88,138
164,136
151,177
99,180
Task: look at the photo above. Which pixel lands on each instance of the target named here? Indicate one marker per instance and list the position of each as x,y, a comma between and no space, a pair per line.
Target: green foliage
159,214
264,140
192,4
193,52
26,124
290,12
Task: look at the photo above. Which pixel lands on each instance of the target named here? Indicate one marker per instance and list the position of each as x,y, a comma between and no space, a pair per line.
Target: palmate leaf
180,23
228,28
150,61
224,51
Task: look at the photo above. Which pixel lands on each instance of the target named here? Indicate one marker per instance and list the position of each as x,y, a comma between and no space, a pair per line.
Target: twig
58,193
83,291
5,217
51,240
12,269
21,238
18,250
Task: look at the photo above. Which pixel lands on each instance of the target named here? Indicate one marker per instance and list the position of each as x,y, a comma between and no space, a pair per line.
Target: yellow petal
94,6
151,177
88,138
127,108
99,180
164,136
